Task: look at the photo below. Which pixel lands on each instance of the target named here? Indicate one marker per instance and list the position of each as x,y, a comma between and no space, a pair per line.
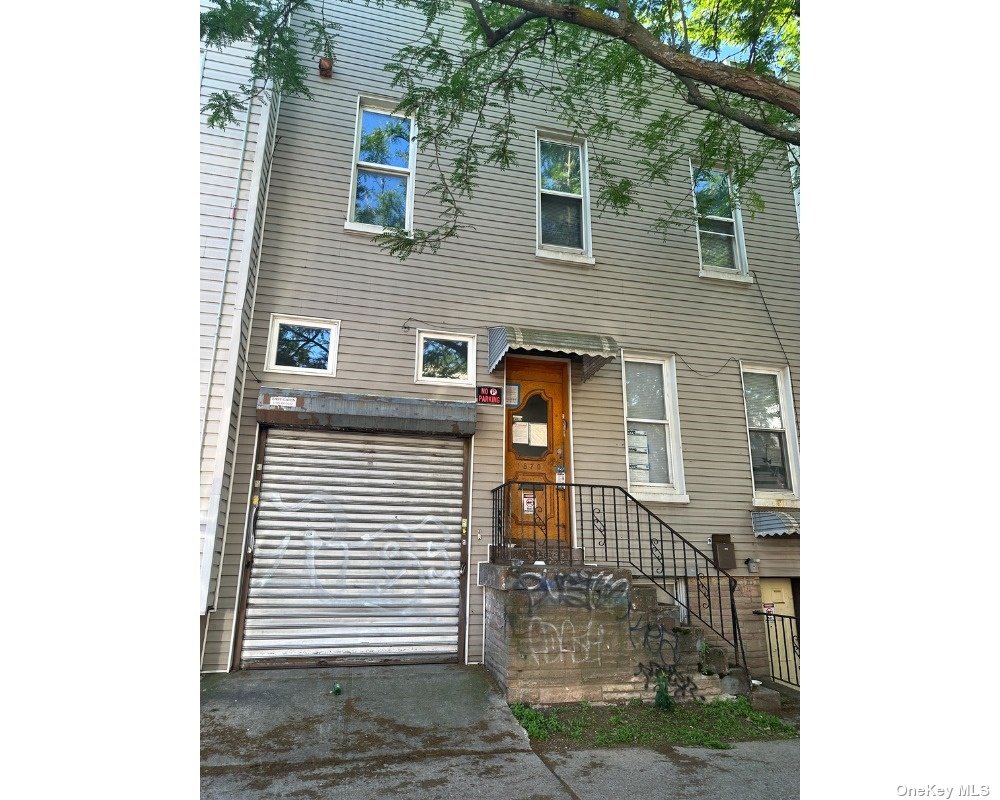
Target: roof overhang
774,523
591,350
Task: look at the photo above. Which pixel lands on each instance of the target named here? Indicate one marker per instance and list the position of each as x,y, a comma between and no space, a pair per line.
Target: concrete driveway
436,731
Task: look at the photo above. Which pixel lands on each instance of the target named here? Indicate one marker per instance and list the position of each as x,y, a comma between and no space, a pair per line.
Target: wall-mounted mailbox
722,551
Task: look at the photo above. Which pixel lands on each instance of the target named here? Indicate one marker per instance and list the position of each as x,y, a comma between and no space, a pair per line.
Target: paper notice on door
520,432
528,502
538,435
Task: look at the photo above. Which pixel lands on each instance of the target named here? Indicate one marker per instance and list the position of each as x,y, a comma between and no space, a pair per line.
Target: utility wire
773,327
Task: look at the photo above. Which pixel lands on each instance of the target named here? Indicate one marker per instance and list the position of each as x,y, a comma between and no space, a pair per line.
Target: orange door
538,450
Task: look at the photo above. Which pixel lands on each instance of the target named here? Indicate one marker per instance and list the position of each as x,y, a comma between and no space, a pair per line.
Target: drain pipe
225,273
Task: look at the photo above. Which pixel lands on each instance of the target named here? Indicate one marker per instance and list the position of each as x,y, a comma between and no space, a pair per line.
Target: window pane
767,457
445,358
302,346
763,405
385,139
562,221
711,192
530,426
559,166
380,199
656,442
644,389
717,251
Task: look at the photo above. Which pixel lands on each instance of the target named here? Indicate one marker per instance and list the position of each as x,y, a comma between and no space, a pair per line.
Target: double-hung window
720,229
563,200
382,182
652,431
774,456
446,358
302,345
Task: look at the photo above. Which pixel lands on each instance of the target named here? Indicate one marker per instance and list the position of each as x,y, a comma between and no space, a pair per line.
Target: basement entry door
356,550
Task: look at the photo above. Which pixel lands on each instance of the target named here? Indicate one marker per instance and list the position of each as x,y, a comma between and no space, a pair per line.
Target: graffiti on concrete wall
646,630
679,685
594,590
552,643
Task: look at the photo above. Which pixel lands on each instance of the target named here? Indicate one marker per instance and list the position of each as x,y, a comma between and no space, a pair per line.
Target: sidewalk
437,731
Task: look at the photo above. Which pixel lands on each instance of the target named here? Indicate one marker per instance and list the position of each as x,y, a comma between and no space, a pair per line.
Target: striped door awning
774,523
591,350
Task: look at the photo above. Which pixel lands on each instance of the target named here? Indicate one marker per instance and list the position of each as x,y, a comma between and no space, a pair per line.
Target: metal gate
357,548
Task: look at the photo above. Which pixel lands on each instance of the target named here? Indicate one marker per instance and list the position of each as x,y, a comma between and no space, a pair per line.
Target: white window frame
380,106
576,255
770,498
742,272
470,339
793,168
674,492
313,322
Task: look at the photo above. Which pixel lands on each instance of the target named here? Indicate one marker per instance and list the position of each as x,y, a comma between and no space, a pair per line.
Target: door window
530,428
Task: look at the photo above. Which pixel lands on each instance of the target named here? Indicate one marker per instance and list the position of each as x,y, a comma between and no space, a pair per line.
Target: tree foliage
601,66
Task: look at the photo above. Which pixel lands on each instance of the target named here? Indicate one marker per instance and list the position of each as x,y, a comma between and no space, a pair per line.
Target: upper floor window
302,345
447,358
563,200
774,456
652,430
382,181
720,229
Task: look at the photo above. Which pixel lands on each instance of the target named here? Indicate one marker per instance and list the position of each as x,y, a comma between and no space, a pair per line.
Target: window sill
444,382
326,373
724,275
572,258
363,227
660,497
786,501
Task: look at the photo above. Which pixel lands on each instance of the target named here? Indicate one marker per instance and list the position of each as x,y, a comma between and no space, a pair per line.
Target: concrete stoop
571,633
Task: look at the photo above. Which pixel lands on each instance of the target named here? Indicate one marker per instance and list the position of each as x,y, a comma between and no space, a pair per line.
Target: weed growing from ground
537,724
713,724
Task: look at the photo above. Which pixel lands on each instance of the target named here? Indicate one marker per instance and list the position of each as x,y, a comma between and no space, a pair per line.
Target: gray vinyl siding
643,290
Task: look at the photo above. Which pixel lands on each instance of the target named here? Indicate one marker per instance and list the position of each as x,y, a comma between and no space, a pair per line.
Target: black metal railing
613,528
782,646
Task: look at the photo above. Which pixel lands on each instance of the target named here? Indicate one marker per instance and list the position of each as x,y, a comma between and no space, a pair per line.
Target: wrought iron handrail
783,650
615,528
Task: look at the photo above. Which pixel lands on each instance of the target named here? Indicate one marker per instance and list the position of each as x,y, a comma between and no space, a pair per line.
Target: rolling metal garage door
357,548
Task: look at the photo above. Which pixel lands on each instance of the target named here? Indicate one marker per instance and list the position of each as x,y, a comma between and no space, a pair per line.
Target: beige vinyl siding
226,166
643,290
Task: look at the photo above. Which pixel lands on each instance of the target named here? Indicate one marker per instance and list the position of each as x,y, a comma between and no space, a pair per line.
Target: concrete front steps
562,633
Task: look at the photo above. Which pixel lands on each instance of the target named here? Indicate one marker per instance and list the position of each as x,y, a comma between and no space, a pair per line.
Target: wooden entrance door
538,450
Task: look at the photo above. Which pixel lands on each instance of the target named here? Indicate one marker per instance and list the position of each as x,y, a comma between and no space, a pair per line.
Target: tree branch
731,79
494,37
696,98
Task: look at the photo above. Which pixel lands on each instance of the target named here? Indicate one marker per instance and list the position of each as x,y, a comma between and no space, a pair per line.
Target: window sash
469,376
386,170
668,457
771,417
275,341
582,231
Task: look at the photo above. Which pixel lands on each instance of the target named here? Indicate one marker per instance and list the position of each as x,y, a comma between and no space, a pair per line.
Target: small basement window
446,358
302,345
